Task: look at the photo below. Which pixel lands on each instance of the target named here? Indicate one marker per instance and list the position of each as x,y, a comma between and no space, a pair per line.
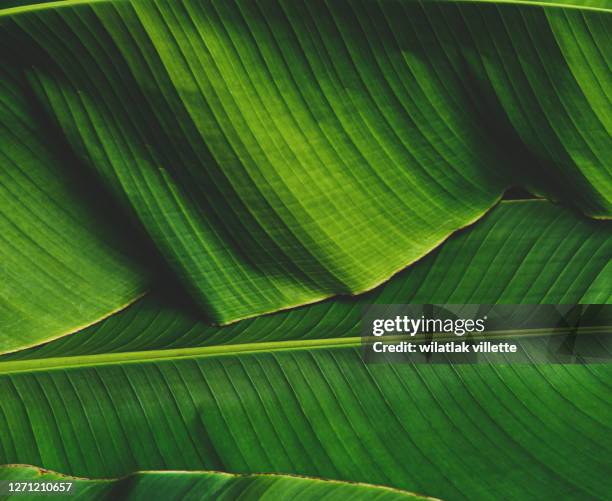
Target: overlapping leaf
279,152
62,266
182,485
321,412
522,252
311,406
276,153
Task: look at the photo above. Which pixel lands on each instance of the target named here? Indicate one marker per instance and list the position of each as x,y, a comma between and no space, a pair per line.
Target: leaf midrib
148,356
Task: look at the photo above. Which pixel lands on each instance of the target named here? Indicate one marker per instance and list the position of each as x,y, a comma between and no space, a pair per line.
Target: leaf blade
62,268
275,174
522,252
206,485
313,407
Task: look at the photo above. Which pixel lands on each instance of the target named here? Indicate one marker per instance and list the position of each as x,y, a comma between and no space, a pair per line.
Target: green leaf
464,432
279,152
61,268
289,392
203,485
529,252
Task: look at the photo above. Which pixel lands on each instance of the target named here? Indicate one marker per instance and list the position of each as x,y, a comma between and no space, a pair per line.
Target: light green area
280,152
289,392
522,252
277,153
62,267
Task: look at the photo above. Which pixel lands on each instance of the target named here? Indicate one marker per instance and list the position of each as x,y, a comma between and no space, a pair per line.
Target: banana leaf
62,267
290,393
453,432
280,152
204,485
530,252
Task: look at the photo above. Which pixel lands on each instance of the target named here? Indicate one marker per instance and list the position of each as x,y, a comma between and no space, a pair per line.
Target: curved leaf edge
36,471
79,328
597,6
317,300
501,202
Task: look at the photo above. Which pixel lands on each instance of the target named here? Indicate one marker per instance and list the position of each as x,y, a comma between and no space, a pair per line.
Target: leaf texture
281,152
529,252
61,267
321,412
203,485
290,398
